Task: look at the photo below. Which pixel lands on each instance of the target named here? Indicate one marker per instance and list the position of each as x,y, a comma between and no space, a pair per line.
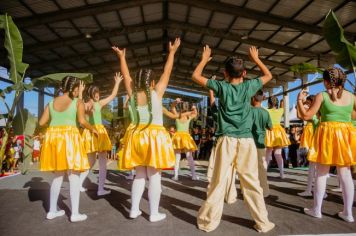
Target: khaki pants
240,153
231,193
262,170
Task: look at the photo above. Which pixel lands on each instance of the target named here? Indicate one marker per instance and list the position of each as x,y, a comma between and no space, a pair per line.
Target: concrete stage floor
24,203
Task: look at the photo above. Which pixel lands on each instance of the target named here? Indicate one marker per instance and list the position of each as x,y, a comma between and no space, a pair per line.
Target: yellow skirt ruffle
183,142
149,147
100,143
276,137
63,149
334,144
306,141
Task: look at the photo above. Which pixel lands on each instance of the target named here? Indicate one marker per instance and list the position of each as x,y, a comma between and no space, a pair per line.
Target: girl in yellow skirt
182,140
148,146
101,144
276,138
307,142
334,139
63,150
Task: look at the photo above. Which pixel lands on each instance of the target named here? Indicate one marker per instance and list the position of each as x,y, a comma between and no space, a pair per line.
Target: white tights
74,184
102,169
279,159
154,188
347,187
311,176
190,162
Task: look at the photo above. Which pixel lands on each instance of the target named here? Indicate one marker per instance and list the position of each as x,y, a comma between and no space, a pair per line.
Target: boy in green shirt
261,122
235,146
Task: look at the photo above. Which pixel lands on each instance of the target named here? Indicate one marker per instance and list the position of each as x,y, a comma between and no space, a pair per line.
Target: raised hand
119,52
206,56
118,78
302,95
81,89
174,47
253,53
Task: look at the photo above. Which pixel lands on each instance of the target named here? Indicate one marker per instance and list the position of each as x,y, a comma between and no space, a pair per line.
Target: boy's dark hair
259,96
234,67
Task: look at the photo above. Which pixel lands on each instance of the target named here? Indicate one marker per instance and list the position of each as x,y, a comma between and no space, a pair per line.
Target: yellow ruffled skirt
334,144
277,137
63,149
306,141
183,142
100,143
149,147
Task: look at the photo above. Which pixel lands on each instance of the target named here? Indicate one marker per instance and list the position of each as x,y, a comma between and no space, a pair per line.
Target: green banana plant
334,36
304,68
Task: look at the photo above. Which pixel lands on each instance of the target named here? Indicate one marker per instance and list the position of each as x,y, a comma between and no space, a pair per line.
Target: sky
31,98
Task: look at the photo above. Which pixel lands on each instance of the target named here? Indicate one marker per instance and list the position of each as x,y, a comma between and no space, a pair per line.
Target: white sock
83,175
191,164
347,187
279,159
320,185
154,189
74,190
176,166
311,176
102,170
54,192
138,187
268,155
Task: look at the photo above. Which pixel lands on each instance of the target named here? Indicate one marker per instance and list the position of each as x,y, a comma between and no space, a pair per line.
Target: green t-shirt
234,116
261,121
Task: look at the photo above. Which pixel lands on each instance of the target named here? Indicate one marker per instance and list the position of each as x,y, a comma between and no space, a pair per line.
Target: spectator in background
286,150
197,139
294,146
18,152
203,154
36,149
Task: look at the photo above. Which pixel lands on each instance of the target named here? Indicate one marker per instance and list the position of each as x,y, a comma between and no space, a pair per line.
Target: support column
286,105
40,102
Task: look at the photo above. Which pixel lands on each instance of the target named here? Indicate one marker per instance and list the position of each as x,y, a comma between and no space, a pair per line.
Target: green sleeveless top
182,126
332,112
67,117
95,118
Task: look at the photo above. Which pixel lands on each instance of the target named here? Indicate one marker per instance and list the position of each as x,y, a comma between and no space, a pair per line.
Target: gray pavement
24,202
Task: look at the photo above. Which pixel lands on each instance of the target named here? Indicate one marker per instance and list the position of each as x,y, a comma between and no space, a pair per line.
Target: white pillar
286,105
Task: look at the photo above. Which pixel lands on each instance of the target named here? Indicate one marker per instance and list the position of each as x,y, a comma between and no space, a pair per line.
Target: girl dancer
307,142
148,146
63,150
334,139
182,140
101,144
276,138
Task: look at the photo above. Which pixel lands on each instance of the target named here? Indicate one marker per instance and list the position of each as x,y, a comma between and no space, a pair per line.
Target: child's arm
267,76
197,74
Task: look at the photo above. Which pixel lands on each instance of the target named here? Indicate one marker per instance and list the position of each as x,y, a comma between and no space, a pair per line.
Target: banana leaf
14,47
304,68
53,80
334,36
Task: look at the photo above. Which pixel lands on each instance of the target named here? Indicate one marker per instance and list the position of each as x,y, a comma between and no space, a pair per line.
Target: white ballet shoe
337,190
349,219
175,178
78,217
325,195
104,192
305,194
157,217
130,177
52,215
135,214
82,189
310,212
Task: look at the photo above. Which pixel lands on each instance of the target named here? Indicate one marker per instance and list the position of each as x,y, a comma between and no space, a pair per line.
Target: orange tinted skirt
277,137
183,142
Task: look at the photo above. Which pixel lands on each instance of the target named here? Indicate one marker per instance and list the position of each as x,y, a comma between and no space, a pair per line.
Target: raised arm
314,108
197,74
267,76
45,117
211,93
169,114
194,112
118,78
163,81
121,54
81,117
81,90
